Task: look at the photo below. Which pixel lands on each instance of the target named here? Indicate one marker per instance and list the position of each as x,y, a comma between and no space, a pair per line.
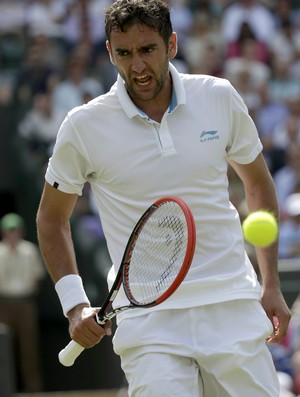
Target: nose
138,64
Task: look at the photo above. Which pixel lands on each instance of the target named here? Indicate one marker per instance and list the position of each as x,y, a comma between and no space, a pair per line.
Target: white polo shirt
130,161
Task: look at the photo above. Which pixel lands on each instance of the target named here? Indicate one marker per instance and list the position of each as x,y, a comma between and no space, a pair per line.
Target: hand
278,312
83,327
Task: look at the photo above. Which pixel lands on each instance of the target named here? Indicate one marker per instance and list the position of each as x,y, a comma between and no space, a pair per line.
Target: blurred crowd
53,58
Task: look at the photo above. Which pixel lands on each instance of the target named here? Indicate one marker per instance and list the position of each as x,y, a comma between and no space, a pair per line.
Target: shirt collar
178,94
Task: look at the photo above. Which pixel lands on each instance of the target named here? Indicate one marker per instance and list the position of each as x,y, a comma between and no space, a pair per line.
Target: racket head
159,252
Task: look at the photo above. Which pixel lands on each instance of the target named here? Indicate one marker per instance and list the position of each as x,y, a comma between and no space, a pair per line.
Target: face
142,59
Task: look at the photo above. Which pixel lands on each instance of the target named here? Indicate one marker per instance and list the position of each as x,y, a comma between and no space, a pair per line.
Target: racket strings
157,254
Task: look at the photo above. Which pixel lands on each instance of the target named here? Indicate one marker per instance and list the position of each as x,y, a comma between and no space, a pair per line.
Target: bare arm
54,232
260,194
55,240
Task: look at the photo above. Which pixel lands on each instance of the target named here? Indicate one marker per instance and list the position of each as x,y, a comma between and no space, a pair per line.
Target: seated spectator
283,86
51,52
269,115
287,178
235,48
285,10
12,35
12,15
72,90
287,133
289,242
285,43
247,61
83,22
34,76
257,16
44,17
201,45
244,85
39,127
182,18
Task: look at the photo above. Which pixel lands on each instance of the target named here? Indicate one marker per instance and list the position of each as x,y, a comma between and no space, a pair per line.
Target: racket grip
68,355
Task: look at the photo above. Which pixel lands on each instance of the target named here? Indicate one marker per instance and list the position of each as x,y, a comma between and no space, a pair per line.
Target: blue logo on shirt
210,135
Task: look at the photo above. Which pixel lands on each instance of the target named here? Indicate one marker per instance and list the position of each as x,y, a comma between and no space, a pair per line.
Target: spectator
247,61
51,52
236,48
38,131
257,15
268,116
83,22
289,242
182,18
287,178
21,271
72,90
287,134
283,86
12,40
45,17
285,43
35,76
284,11
12,15
243,83
200,42
42,121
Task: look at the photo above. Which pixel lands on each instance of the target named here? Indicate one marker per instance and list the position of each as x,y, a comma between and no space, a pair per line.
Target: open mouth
143,81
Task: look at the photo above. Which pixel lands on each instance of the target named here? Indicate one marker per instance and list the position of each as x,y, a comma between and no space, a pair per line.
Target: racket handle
68,355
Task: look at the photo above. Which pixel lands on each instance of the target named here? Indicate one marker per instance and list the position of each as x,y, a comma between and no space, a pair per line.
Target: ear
108,47
173,46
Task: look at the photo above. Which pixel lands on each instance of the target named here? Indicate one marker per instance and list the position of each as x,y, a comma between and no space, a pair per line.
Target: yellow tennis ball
260,228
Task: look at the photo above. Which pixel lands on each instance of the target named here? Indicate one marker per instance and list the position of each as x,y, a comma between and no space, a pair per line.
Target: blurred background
53,58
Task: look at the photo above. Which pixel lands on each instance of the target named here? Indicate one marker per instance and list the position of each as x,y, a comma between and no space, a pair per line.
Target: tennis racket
156,260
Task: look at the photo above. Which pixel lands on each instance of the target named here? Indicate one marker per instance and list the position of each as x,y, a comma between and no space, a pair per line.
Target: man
21,271
157,133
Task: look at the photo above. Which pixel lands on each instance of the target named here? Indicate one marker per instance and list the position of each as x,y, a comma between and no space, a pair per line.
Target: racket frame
103,314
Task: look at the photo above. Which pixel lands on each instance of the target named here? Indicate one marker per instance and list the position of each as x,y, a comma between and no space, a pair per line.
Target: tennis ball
260,228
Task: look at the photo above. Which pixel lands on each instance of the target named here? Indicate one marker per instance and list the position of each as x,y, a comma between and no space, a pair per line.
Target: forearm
264,197
56,245
58,252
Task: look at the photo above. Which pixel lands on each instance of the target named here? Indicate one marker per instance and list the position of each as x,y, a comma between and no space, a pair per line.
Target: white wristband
71,292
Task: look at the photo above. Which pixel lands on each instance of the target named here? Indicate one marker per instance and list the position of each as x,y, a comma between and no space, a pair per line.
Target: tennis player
158,132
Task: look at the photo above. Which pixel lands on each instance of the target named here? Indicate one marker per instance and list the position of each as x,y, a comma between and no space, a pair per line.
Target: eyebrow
143,47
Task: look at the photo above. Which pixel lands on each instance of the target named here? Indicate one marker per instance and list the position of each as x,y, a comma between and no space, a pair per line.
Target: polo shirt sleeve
68,167
244,143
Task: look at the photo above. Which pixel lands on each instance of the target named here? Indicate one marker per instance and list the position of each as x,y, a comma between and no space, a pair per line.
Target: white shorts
216,350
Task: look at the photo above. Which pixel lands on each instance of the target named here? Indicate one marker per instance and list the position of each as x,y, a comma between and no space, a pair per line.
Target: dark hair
153,13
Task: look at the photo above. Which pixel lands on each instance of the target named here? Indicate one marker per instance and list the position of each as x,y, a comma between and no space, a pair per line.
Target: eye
123,53
148,50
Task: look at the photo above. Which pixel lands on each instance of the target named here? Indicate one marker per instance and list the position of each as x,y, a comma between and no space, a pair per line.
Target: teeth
142,77
143,80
